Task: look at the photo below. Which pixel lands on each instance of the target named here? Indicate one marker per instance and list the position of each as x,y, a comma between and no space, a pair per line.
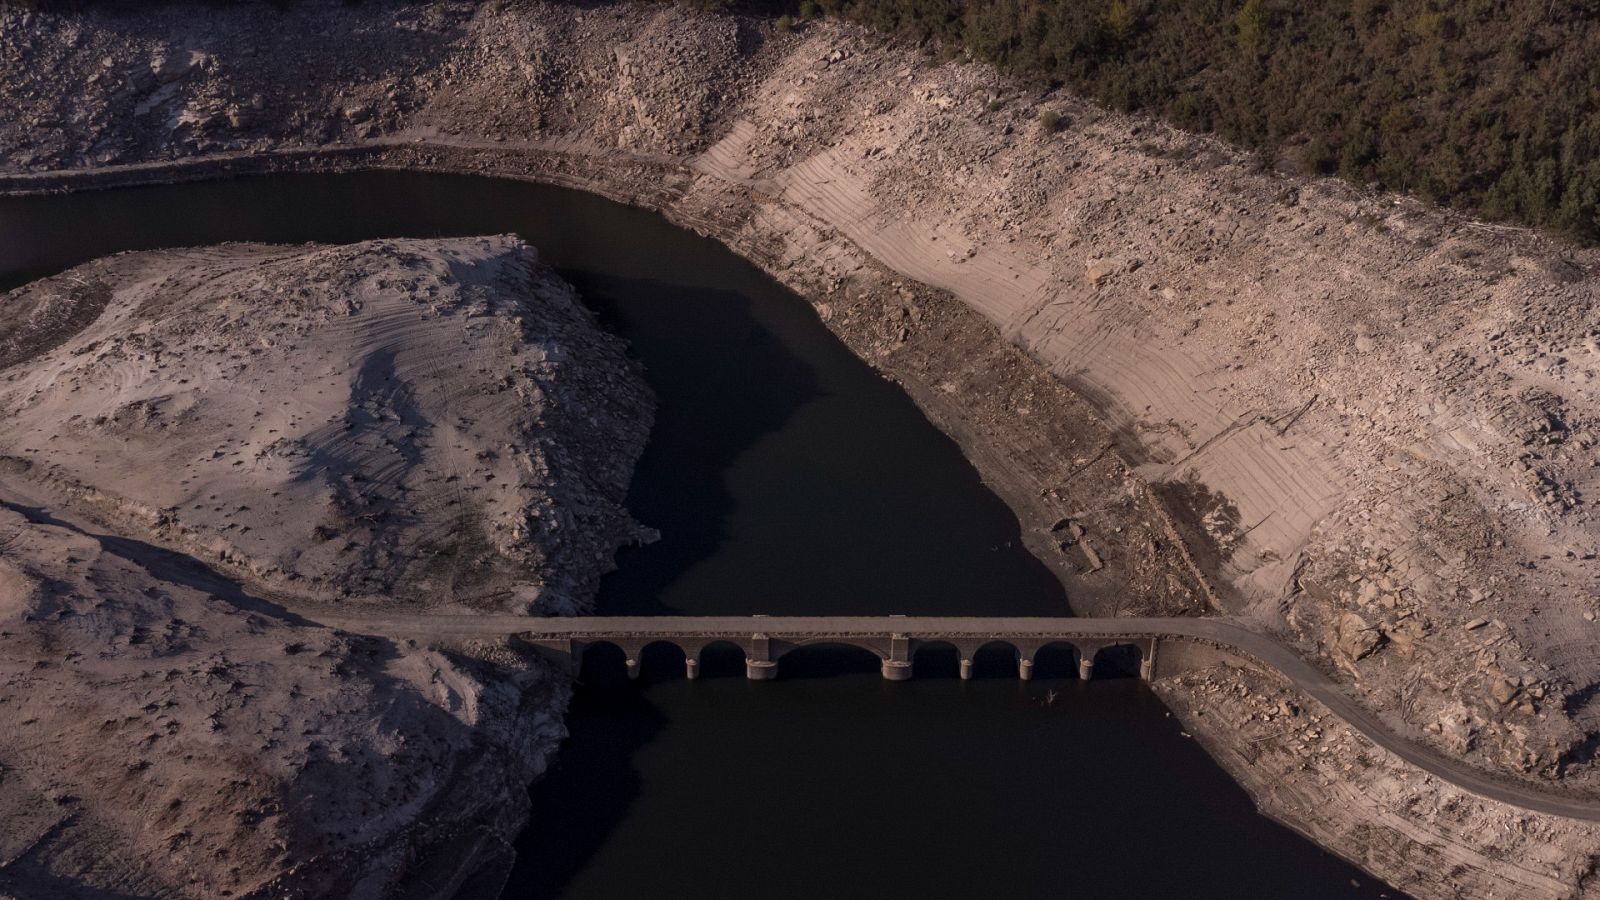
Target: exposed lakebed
786,477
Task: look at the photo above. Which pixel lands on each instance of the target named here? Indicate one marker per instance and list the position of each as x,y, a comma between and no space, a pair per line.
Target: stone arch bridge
895,640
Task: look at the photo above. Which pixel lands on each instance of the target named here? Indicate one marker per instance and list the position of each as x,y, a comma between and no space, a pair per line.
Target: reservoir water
786,477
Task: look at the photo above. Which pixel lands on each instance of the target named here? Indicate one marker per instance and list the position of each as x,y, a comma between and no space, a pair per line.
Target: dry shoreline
1372,421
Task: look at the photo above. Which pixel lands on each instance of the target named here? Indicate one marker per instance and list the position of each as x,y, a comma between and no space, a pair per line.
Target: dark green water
786,477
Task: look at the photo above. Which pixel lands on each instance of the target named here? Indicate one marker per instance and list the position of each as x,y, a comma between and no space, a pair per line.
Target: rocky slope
177,425
1430,836
1371,426
385,422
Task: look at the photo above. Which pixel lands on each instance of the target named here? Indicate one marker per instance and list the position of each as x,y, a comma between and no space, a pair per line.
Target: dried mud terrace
1371,426
195,439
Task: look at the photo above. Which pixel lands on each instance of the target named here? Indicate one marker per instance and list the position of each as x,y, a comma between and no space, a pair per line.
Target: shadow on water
787,476
713,405
609,721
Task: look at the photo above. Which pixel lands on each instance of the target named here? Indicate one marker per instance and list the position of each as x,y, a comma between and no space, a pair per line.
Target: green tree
1251,22
1119,22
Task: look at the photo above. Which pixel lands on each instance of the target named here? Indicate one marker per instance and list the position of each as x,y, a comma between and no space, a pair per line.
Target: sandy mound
438,424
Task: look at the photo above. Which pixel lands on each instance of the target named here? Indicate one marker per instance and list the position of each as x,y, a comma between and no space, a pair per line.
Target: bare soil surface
194,440
1308,769
392,422
1366,426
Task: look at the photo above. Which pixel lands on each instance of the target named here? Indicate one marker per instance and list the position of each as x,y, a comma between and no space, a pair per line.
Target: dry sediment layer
192,436
1372,425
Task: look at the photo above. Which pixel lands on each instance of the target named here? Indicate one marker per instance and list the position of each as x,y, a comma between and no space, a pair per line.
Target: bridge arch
870,645
937,659
719,658
996,659
827,658
601,663
662,660
1123,659
1056,659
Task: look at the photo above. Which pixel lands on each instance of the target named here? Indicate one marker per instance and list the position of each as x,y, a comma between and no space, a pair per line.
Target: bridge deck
965,626
1219,630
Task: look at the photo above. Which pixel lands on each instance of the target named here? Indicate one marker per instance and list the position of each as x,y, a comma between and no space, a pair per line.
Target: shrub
1119,22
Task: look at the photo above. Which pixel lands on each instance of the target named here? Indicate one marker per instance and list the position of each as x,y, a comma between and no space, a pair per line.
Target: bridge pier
691,668
1025,669
1085,668
633,669
897,665
966,669
758,663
